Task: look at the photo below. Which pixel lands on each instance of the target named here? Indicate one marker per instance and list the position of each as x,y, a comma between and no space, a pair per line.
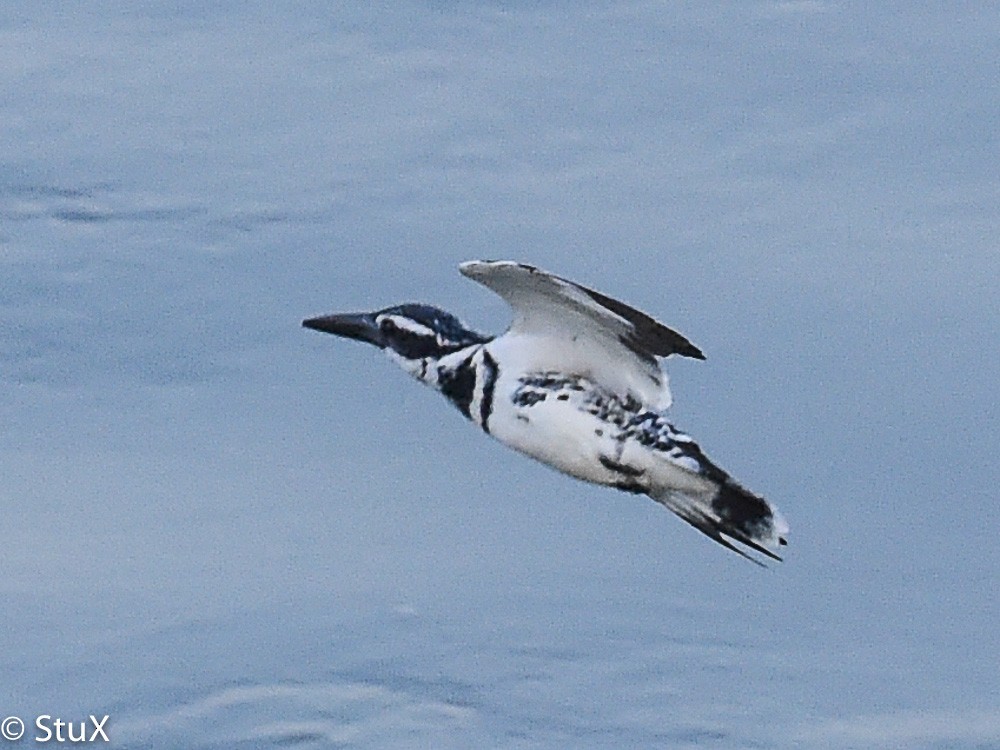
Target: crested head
416,331
410,334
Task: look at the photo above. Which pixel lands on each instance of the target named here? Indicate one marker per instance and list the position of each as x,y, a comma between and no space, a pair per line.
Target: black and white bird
576,384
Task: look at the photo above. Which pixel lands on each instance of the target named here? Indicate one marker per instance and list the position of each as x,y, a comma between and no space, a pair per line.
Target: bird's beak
357,326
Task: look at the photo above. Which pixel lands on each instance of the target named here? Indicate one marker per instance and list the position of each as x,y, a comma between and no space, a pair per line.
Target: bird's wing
611,341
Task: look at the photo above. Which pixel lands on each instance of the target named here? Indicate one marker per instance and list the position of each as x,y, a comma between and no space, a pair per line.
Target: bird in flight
576,384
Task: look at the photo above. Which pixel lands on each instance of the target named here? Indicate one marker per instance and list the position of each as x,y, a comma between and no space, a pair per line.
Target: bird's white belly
580,429
558,433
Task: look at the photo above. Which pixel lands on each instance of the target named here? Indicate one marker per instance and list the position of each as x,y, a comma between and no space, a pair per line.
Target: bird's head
410,334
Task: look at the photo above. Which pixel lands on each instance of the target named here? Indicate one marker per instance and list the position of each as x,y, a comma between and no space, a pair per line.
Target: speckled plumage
574,383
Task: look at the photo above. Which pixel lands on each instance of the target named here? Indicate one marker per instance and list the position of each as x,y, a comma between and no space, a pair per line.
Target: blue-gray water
224,531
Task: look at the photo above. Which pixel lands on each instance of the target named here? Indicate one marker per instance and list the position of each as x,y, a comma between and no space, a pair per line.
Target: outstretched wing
600,337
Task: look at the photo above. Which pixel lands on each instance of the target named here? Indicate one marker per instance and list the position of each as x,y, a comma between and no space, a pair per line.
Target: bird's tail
732,513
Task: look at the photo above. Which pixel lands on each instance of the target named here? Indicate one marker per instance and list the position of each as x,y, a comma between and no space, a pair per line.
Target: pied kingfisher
574,383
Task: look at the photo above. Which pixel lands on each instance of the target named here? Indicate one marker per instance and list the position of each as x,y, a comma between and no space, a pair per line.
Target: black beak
357,326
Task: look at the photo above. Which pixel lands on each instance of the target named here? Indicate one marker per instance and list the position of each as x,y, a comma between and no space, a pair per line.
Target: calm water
223,531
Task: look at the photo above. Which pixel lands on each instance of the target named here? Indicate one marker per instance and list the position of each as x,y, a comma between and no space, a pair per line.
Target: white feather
559,325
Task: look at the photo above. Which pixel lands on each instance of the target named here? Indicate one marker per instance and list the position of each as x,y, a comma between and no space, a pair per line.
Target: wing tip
692,351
